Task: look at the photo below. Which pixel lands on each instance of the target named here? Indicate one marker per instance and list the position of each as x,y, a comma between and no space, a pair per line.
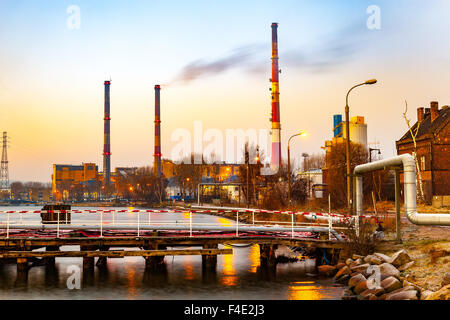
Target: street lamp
347,131
301,133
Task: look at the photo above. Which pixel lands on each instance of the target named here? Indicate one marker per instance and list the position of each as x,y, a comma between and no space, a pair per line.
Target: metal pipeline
177,227
405,161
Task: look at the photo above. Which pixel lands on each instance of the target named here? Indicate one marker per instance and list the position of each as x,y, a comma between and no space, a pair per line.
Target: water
238,276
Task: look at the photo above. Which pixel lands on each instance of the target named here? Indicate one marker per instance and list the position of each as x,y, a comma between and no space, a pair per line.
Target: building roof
428,127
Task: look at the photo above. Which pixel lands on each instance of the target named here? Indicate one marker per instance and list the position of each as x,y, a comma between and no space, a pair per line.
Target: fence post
292,224
253,217
57,231
190,223
7,227
237,224
138,224
101,224
330,225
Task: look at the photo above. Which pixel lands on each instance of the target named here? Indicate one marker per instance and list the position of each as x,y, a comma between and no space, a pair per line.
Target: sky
52,73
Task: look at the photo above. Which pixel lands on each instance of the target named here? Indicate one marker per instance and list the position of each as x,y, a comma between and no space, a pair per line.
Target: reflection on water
189,268
254,258
229,278
238,276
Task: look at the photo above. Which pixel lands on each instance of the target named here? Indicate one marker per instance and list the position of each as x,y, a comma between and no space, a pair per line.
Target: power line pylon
4,172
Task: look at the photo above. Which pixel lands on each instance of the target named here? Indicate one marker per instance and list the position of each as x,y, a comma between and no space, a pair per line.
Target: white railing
107,220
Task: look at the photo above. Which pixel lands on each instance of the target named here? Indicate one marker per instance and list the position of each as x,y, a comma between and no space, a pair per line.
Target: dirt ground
421,243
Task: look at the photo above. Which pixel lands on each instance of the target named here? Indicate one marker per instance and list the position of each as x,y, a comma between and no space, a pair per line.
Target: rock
360,287
355,280
343,279
403,295
406,266
340,265
355,263
406,283
382,297
353,297
446,279
442,294
345,270
407,288
390,284
348,261
367,258
425,294
360,268
373,297
389,269
357,256
326,270
383,257
400,258
376,292
375,260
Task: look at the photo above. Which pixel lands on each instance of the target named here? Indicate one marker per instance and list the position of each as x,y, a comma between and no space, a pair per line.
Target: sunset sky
51,76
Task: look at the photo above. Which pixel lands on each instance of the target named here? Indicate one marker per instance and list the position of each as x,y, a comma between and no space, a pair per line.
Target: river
238,276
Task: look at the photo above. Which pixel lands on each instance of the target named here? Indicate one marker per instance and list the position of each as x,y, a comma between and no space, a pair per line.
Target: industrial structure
4,171
275,119
84,179
358,131
157,155
107,138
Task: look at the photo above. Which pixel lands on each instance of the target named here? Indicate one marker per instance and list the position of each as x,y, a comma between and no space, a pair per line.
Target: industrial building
433,150
67,179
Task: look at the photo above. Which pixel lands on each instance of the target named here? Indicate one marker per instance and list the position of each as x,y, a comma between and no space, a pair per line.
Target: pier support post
22,272
88,267
101,261
154,263
209,262
267,254
50,261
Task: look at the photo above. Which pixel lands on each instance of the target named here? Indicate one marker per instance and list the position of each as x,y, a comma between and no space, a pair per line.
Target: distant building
315,186
433,149
64,176
358,135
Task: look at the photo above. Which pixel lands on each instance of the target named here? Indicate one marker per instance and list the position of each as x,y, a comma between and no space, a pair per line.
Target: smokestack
157,155
434,110
107,142
420,114
276,127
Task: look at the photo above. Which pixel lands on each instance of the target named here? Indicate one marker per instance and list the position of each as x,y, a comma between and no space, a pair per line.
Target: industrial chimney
157,155
276,134
107,145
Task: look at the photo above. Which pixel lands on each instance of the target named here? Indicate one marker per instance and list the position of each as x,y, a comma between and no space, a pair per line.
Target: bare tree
413,136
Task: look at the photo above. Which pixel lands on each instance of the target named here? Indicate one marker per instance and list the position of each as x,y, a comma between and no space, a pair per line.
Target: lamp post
347,131
301,133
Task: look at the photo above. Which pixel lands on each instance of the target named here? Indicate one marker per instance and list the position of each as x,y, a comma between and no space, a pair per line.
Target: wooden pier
153,249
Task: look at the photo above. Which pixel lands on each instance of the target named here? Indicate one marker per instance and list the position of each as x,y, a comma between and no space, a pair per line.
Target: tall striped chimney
157,155
276,134
107,142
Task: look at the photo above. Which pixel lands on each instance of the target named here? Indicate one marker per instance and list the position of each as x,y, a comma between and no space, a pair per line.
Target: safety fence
107,220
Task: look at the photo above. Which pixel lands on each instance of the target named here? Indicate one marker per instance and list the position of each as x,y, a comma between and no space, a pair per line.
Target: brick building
433,149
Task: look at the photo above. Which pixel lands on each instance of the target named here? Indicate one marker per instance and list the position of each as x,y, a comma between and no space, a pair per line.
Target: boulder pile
378,277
